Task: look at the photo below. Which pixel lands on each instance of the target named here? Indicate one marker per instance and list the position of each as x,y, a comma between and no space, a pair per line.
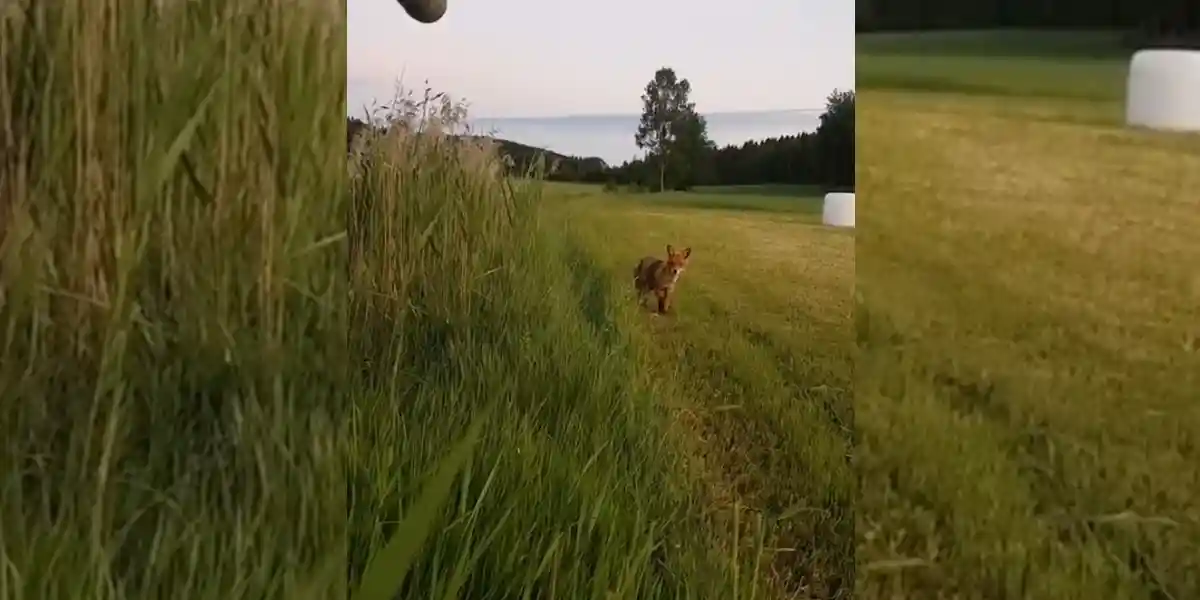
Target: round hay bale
1164,90
838,210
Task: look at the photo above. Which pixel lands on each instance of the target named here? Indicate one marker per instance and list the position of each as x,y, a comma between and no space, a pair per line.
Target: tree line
1150,22
679,154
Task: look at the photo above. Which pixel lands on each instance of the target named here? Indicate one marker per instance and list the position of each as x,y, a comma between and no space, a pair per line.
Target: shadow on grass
590,281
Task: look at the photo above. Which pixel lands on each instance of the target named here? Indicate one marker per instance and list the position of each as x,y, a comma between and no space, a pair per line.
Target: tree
670,131
690,162
835,139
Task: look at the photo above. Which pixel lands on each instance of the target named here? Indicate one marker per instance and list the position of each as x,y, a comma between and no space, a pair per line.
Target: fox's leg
662,301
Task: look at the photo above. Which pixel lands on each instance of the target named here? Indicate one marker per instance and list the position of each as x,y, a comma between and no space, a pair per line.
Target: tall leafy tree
670,131
691,152
835,139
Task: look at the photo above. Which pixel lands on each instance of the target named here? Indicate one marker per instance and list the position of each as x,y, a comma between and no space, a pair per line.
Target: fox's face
677,262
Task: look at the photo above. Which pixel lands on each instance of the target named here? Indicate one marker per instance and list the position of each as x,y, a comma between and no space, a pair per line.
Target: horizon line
627,114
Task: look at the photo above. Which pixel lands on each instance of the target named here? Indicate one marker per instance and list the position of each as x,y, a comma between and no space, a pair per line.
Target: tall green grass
233,364
173,306
471,299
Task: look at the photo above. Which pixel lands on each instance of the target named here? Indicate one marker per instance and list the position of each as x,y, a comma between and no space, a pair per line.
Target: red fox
660,276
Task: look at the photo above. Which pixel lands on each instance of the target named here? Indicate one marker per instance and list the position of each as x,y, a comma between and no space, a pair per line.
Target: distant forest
790,159
1148,22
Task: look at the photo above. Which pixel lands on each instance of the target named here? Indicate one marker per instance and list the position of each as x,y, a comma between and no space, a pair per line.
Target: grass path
755,367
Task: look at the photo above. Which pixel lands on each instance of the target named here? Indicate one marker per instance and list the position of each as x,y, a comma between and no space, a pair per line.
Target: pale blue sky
537,58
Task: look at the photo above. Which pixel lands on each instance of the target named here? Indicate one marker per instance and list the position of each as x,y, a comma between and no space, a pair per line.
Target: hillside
524,157
569,168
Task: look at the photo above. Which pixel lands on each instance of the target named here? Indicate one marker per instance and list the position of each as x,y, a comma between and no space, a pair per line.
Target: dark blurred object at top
425,11
1147,23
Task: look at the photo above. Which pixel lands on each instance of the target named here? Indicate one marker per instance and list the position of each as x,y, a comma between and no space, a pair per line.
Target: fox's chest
657,276
665,283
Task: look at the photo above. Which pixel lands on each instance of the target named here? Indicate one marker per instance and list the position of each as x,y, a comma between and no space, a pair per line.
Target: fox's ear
687,252
670,250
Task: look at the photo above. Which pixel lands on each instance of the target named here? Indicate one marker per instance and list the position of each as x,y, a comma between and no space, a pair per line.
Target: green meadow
1027,379
237,365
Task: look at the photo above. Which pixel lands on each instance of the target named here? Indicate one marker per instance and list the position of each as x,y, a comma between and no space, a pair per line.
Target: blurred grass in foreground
173,314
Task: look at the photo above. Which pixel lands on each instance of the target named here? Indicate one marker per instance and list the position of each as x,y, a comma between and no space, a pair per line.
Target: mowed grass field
754,365
1026,390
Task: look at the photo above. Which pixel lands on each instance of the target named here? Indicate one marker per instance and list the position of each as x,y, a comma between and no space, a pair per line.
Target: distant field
761,190
1026,414
1007,63
795,199
754,366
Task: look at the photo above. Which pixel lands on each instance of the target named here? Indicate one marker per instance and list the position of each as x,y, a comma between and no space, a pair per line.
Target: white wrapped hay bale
839,210
1164,90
